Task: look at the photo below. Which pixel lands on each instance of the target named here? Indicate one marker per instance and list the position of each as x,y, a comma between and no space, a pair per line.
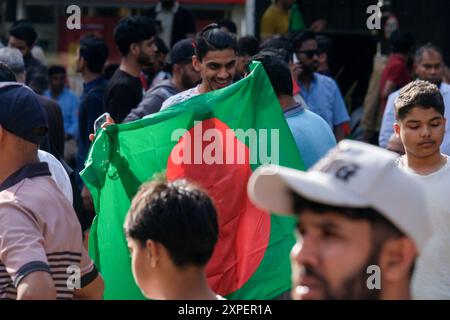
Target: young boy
421,126
171,230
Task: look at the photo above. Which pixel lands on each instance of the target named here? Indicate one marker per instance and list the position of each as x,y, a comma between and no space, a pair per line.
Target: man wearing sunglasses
320,92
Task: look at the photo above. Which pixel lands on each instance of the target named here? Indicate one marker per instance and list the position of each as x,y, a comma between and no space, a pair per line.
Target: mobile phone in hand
100,121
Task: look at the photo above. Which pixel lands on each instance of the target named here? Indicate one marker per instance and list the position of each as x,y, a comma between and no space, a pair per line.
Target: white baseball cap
353,175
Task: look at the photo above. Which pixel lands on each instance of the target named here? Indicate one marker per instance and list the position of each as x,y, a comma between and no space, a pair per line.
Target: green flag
217,140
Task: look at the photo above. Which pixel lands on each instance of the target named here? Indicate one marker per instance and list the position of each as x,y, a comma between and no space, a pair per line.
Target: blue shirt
69,103
387,129
324,98
312,135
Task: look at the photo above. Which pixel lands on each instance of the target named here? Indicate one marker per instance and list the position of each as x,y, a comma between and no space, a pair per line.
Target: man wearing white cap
362,222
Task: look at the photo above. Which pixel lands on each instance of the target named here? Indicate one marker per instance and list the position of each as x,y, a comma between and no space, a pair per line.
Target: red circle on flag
211,155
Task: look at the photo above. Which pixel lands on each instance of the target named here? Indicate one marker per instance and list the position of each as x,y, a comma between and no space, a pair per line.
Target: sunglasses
310,53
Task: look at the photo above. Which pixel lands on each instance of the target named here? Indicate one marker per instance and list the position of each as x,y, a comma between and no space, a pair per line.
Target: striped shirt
39,231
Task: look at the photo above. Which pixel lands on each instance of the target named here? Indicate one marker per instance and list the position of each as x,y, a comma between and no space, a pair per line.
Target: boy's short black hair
178,215
95,52
24,30
278,72
213,39
132,29
421,94
247,45
56,69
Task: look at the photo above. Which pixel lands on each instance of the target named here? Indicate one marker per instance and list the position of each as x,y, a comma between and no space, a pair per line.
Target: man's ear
134,48
396,127
196,63
153,252
396,259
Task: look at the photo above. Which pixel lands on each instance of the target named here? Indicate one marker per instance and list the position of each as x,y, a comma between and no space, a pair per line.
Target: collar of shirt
174,9
93,83
299,107
29,171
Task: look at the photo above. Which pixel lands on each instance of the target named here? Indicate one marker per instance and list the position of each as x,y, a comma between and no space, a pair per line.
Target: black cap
21,113
183,50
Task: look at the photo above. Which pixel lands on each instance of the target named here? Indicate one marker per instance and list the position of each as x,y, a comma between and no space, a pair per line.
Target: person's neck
203,88
188,284
399,291
89,76
280,6
286,102
306,79
130,66
55,94
13,163
425,166
176,81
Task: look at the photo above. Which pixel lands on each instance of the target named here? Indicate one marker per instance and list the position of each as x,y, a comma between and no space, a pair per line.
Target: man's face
308,56
217,69
422,131
189,76
21,45
146,53
332,257
430,68
57,82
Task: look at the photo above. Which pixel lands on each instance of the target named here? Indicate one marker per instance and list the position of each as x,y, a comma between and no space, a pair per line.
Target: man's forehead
311,43
310,218
220,56
431,57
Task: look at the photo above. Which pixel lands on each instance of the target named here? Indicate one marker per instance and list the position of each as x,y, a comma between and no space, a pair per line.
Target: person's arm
387,123
92,285
150,104
36,286
341,131
341,117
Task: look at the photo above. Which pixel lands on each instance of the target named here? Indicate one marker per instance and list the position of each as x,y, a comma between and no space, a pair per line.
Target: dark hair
401,42
278,72
6,74
421,94
56,69
133,29
383,228
178,215
161,46
279,45
426,48
24,30
325,45
301,37
213,39
95,52
230,25
247,45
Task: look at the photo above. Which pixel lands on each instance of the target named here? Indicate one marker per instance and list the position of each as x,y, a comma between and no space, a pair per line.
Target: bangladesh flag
217,140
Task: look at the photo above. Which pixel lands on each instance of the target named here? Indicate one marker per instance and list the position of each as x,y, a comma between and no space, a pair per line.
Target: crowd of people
358,206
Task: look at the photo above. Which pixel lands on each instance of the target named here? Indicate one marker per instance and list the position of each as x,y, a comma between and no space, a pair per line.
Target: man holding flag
242,123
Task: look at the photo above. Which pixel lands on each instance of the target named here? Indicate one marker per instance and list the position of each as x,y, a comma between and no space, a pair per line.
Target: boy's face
422,131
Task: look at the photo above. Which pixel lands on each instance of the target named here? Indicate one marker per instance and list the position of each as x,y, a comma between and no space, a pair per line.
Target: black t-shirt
123,93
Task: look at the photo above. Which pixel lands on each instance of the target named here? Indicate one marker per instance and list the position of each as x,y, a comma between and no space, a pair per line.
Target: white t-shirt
59,174
180,97
432,272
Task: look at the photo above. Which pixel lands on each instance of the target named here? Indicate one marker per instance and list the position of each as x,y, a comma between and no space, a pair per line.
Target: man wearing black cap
184,77
41,250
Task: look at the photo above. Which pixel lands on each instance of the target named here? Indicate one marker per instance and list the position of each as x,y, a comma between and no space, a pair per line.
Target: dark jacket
54,143
183,24
152,101
36,74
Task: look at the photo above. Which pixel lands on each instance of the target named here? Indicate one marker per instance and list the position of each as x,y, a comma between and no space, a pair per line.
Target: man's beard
354,287
187,82
145,60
